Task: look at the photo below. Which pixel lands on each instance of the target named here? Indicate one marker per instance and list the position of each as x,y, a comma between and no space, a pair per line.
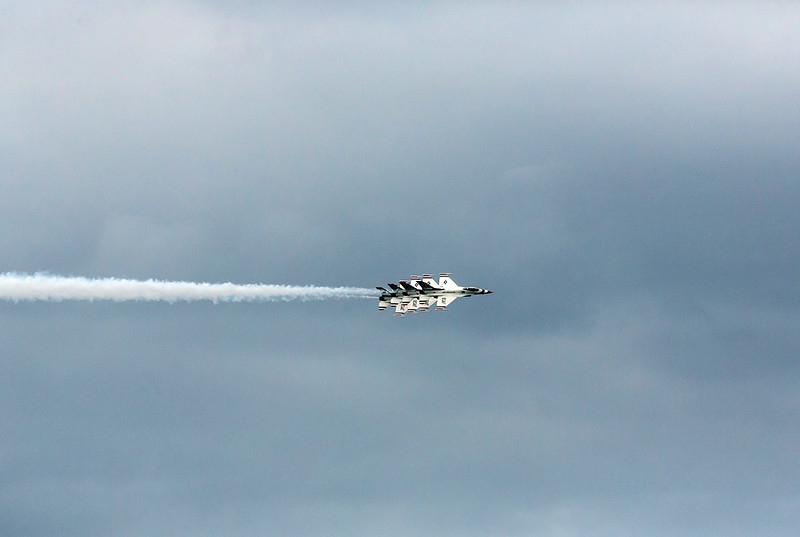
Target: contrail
42,286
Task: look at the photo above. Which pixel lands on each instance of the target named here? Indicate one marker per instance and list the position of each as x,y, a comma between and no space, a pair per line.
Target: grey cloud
622,177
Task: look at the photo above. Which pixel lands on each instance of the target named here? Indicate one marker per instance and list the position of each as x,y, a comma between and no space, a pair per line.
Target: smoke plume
41,286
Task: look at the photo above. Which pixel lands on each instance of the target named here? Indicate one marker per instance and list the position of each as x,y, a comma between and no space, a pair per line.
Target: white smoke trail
41,286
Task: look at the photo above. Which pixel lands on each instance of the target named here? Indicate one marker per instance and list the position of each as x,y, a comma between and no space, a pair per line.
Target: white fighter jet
421,294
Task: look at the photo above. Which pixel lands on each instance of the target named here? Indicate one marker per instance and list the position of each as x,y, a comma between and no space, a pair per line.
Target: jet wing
442,301
426,302
413,305
400,308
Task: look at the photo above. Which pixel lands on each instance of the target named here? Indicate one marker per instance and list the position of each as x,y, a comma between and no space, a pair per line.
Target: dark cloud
622,177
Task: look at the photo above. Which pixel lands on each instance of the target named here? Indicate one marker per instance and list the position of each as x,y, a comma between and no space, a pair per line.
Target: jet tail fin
446,282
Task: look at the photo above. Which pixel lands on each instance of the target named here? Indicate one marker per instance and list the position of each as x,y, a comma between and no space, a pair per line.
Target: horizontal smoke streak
41,286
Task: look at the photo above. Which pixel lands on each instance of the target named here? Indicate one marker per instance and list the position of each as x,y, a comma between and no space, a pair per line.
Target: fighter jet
421,294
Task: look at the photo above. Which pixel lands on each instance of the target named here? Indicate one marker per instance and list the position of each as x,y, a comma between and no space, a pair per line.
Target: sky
625,177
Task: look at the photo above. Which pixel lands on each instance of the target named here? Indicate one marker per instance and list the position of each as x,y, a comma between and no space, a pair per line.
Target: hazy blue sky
625,177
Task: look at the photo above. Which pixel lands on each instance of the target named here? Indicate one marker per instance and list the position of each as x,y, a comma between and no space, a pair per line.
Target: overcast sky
625,178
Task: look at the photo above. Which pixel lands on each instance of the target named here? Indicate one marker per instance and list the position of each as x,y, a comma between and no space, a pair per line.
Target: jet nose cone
487,292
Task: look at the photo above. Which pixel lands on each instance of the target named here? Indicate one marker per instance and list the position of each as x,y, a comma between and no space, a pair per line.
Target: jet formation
422,293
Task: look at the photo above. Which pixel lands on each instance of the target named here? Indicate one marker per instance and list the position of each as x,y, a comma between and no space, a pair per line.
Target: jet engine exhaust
47,287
